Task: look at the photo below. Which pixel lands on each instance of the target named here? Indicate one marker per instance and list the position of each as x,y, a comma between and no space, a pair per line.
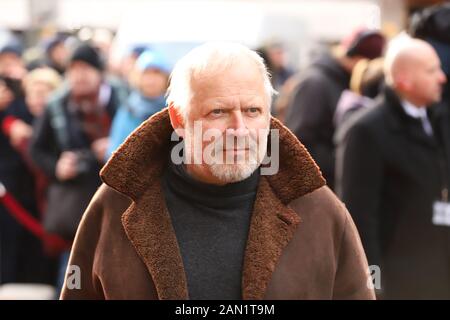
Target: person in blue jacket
147,97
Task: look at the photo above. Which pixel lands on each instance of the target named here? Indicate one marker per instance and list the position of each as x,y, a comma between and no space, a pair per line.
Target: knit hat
89,55
151,59
364,42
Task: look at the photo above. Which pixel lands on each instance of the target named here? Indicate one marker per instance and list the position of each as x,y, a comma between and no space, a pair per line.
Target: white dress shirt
418,113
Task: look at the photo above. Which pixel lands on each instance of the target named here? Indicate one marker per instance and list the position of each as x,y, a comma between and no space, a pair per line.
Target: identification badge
441,213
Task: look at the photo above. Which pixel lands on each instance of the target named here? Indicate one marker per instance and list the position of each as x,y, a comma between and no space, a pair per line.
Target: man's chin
229,173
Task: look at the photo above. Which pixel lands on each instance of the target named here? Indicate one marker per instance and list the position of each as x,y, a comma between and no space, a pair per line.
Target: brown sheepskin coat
302,243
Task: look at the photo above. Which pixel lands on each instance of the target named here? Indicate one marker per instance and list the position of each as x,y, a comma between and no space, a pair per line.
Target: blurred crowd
376,121
61,117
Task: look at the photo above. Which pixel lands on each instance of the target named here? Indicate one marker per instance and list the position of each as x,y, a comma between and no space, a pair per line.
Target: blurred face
277,56
153,83
429,79
127,65
59,54
36,95
425,78
233,108
83,78
12,66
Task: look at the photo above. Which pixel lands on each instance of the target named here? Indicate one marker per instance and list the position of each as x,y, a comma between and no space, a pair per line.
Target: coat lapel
417,133
402,123
272,227
148,226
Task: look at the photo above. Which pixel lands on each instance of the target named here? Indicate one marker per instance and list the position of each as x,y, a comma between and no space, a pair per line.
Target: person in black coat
15,241
313,104
22,257
392,167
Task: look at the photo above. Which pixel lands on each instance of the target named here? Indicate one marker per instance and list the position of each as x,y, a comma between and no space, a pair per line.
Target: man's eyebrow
218,105
253,103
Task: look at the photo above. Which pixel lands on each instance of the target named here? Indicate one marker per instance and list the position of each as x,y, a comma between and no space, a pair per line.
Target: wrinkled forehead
238,79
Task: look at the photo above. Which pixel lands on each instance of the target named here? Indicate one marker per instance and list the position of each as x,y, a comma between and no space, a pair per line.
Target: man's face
427,78
232,103
277,57
83,78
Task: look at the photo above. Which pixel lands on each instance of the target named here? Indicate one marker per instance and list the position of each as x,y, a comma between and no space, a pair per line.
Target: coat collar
402,123
135,170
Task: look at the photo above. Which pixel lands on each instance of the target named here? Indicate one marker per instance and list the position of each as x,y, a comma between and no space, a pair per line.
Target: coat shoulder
329,238
321,205
369,120
323,217
103,212
111,201
373,116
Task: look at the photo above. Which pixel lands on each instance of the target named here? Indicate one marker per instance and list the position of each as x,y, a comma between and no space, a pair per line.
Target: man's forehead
240,99
223,91
243,77
418,52
423,62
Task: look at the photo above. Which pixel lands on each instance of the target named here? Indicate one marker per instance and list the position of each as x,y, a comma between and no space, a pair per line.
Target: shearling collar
135,170
143,156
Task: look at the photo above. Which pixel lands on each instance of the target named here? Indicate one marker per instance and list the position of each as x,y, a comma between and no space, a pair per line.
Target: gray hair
211,56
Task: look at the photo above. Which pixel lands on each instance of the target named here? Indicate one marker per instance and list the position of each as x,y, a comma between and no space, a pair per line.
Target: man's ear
403,84
176,120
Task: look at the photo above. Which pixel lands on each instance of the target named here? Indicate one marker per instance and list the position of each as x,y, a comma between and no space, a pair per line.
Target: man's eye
217,112
252,110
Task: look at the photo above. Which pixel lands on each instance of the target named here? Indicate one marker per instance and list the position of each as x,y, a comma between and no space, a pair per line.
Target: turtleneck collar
214,196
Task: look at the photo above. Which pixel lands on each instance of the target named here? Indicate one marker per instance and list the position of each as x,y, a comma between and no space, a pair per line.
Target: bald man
393,175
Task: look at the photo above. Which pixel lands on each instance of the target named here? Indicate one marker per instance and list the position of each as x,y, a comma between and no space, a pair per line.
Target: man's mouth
236,150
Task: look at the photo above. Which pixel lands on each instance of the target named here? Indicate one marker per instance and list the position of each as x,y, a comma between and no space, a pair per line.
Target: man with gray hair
194,206
393,175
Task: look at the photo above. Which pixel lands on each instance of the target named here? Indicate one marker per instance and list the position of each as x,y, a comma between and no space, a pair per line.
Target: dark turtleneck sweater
211,224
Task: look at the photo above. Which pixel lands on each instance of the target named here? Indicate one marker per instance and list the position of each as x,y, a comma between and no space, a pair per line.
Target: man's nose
237,127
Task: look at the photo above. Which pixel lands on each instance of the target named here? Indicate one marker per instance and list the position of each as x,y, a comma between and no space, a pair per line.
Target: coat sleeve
352,280
309,116
359,175
81,282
